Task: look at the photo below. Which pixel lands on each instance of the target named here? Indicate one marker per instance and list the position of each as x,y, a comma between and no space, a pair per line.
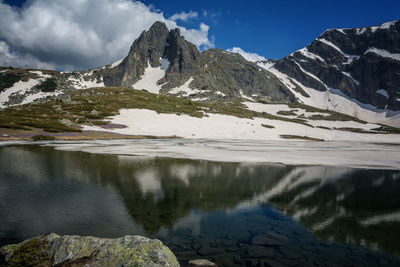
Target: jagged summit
151,46
214,73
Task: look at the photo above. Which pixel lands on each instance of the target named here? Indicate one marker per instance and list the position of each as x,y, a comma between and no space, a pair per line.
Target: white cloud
199,36
8,58
253,57
81,33
184,16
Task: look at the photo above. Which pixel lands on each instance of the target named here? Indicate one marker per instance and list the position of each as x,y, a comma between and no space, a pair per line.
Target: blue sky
276,28
272,29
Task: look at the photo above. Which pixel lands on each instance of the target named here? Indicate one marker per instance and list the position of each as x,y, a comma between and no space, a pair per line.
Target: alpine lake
234,214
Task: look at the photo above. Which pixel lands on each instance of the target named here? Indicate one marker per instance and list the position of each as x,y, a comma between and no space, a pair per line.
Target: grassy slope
92,106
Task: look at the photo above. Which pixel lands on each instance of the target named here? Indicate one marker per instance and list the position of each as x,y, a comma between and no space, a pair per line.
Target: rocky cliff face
363,63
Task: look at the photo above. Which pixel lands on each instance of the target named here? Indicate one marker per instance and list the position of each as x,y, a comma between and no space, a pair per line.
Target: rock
67,122
94,112
73,250
260,252
201,263
207,251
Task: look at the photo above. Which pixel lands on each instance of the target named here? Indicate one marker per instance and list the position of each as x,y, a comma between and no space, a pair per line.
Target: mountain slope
361,65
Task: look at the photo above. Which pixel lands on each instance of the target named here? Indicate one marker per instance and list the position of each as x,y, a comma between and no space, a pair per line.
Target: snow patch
18,88
310,74
116,63
304,51
151,76
245,96
350,58
383,92
360,31
341,30
336,100
383,53
184,89
40,74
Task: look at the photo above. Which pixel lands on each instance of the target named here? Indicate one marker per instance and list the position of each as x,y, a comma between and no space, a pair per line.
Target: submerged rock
73,250
201,263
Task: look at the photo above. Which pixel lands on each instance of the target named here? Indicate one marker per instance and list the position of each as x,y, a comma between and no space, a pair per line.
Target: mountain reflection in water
228,212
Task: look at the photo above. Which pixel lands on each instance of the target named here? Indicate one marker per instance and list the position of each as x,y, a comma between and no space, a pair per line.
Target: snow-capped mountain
353,71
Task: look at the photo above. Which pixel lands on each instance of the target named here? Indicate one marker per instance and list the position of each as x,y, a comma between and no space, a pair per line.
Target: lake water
235,214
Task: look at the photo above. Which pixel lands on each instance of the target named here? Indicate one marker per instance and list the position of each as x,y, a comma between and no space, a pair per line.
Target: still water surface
231,213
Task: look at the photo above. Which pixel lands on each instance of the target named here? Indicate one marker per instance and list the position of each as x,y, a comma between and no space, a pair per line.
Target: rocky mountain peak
147,50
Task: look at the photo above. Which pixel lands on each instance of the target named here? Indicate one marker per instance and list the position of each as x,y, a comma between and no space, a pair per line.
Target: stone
74,250
265,240
201,263
261,252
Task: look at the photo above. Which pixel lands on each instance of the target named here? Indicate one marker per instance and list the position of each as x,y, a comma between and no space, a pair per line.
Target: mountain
361,65
352,71
212,73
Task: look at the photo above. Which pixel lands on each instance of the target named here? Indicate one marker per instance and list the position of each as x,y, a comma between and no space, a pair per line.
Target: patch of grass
331,115
387,129
94,117
287,112
100,122
323,127
43,137
288,136
108,101
267,126
355,130
12,125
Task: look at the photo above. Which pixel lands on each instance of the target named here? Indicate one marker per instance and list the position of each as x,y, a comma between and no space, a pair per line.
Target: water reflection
199,208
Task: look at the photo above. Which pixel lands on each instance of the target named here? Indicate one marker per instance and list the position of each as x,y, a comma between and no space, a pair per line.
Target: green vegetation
93,105
267,126
323,127
355,130
331,115
288,136
287,112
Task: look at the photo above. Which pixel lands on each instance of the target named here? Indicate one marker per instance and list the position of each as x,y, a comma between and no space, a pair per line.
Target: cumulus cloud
8,58
184,16
253,57
79,34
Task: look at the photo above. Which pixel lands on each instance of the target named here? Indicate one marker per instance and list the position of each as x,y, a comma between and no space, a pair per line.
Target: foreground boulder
73,250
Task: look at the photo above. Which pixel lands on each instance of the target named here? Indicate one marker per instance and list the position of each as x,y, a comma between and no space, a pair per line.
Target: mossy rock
73,250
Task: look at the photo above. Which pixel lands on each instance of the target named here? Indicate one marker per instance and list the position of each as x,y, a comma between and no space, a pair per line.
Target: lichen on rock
73,250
